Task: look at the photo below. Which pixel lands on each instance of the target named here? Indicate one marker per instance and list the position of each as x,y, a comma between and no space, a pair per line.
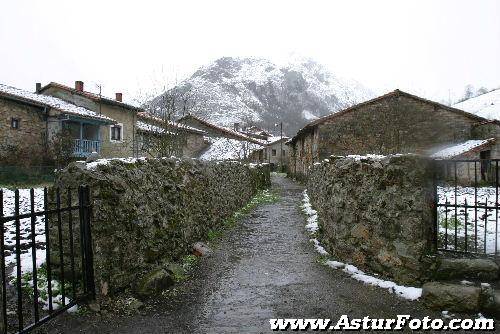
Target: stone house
223,139
270,153
115,140
159,137
29,121
397,122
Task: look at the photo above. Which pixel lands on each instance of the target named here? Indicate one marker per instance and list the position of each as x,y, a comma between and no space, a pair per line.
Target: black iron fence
46,265
467,210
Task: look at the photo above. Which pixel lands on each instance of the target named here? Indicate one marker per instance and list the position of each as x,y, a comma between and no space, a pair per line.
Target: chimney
79,86
119,97
38,87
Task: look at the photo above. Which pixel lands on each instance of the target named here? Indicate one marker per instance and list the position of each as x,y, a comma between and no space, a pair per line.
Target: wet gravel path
263,268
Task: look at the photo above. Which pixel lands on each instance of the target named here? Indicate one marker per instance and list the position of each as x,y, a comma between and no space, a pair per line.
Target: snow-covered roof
459,149
228,149
171,124
485,105
52,102
275,139
223,129
141,126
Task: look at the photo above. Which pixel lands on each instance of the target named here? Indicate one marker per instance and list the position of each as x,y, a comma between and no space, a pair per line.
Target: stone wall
147,213
376,213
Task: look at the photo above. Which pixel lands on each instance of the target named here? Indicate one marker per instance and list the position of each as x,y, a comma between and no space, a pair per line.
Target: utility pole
281,145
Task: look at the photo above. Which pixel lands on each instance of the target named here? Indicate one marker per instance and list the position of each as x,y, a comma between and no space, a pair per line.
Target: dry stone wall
149,212
376,213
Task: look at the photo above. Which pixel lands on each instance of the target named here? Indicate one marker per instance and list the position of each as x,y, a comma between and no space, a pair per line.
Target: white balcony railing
83,147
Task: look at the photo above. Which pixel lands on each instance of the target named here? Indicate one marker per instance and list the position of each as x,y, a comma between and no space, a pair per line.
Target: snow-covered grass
406,292
26,249
25,228
487,234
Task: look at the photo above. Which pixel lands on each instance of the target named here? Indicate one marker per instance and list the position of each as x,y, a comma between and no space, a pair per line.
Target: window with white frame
116,132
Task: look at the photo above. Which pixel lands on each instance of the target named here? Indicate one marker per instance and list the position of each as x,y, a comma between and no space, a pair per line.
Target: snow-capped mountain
253,91
486,105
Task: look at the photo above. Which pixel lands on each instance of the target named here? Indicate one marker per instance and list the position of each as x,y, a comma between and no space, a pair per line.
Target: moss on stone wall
150,212
376,213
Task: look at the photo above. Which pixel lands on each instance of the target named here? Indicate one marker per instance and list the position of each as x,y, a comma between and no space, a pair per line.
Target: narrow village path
263,268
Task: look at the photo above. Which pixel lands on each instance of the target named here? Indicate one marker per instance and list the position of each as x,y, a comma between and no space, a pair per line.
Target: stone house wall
195,144
32,132
376,214
150,212
396,124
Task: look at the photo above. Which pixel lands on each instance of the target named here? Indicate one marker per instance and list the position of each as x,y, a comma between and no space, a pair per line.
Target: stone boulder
155,281
452,297
480,269
201,249
490,300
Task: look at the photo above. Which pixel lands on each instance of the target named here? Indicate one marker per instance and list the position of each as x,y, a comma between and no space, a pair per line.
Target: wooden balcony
84,147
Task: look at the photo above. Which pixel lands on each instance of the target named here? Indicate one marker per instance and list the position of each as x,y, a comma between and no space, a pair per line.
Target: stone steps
462,298
480,269
467,285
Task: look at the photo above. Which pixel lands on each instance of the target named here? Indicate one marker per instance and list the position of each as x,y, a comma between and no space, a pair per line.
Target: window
274,153
116,132
14,123
283,152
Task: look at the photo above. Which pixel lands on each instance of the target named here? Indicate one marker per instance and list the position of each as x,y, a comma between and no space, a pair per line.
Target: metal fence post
87,242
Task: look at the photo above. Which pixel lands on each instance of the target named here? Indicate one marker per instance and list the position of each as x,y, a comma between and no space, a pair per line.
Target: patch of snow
486,230
102,162
368,156
320,249
335,264
406,292
25,242
152,128
459,149
309,116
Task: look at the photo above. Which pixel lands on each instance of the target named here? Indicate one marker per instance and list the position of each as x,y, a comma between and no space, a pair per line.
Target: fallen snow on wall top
486,105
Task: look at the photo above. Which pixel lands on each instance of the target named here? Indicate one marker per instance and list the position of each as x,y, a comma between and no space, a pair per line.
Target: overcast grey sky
430,47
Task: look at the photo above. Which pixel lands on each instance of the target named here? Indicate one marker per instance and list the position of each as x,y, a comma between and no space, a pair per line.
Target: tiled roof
229,132
92,96
51,102
147,117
